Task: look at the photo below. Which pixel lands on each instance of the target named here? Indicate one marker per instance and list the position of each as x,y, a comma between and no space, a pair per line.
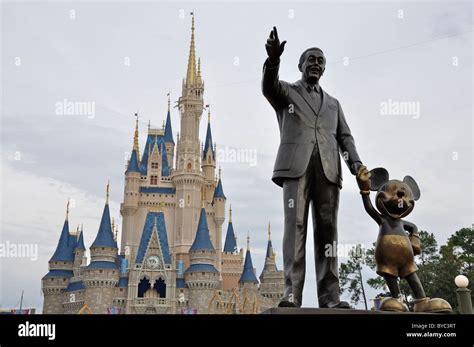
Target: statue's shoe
286,302
435,305
394,305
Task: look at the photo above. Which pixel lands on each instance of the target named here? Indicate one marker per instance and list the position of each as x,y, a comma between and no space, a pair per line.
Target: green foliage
350,275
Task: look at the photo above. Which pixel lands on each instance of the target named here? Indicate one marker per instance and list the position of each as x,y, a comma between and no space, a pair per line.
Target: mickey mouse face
394,198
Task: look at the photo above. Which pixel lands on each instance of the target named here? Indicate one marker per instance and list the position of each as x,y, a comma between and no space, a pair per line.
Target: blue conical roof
168,131
105,236
248,275
80,242
230,244
202,240
219,191
269,249
65,249
208,143
133,163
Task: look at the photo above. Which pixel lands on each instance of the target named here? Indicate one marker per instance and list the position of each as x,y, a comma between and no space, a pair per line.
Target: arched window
160,287
189,167
143,286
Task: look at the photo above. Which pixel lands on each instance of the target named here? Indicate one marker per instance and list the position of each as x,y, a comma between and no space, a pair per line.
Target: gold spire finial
230,214
149,125
269,233
67,209
82,227
163,126
191,73
220,172
248,240
169,101
135,137
107,193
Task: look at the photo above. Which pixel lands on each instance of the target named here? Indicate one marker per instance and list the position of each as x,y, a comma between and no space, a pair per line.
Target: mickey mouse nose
400,193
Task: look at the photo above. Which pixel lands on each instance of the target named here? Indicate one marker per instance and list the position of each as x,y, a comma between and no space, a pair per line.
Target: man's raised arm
272,88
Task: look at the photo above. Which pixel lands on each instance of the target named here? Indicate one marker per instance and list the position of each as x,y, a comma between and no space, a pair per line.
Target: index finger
275,32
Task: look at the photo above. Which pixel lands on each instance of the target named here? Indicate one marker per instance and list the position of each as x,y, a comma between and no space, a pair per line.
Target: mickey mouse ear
378,177
410,182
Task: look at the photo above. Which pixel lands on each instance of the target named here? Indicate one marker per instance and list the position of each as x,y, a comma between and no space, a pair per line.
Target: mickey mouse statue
395,250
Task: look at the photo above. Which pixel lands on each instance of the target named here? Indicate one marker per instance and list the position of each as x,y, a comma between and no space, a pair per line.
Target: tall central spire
191,73
135,136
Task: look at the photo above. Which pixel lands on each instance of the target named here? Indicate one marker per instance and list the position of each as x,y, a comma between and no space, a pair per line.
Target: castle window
154,165
153,180
189,167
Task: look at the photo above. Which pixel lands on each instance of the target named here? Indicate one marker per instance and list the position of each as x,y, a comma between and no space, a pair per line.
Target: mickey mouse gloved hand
363,180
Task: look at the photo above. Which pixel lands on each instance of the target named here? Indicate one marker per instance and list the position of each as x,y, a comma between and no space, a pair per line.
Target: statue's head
394,198
312,64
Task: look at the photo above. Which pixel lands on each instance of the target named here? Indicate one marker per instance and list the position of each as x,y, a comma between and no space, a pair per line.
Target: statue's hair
306,51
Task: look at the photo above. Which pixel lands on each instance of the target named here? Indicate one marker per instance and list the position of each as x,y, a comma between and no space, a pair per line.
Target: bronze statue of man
313,131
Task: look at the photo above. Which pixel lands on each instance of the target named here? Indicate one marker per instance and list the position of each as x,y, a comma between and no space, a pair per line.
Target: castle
171,258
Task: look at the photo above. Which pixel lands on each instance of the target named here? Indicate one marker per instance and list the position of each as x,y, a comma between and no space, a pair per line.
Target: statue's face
313,66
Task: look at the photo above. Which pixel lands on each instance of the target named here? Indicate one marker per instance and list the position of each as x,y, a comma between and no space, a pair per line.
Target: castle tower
102,274
74,298
248,283
218,203
129,206
201,277
208,162
188,178
168,137
80,259
55,282
232,258
272,282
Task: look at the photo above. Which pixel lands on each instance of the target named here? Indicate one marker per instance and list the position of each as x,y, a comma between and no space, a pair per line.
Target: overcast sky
125,56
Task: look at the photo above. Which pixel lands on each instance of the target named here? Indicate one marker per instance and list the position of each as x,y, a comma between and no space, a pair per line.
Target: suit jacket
301,126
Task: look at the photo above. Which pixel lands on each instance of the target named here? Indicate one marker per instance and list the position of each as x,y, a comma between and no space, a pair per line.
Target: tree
350,275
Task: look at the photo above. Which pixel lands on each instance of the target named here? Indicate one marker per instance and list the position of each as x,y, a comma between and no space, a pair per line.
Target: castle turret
201,277
248,284
129,206
218,204
272,280
102,274
208,161
168,137
248,278
55,282
232,258
80,259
